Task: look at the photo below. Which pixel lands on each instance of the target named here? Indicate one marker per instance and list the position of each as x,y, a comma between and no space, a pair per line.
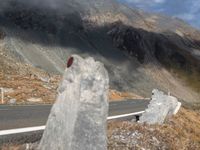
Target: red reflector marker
70,62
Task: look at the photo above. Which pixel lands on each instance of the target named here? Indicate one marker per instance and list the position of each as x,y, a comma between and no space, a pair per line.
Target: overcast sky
188,10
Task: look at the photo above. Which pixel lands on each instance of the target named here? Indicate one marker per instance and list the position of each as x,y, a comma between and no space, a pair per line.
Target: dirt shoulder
26,89
178,133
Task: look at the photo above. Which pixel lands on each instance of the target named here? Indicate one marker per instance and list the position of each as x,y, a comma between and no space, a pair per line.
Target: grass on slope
179,133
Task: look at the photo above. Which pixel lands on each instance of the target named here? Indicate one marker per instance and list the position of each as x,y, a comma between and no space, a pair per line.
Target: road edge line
21,130
40,128
125,115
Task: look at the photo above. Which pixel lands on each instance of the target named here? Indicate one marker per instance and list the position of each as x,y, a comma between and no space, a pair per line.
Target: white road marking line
113,104
28,105
40,128
124,115
4,109
21,130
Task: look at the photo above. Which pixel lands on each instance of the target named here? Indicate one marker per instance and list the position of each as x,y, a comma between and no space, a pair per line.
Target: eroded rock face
160,107
78,118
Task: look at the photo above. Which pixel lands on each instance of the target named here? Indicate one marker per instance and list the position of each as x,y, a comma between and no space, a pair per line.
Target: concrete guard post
78,118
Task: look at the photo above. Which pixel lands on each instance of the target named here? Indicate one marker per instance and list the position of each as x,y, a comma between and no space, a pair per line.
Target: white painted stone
12,101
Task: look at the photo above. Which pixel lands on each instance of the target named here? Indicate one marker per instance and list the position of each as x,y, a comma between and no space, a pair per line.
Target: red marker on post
70,62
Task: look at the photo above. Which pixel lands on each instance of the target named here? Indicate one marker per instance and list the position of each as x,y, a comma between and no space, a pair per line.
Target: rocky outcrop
2,35
130,40
78,118
167,48
160,107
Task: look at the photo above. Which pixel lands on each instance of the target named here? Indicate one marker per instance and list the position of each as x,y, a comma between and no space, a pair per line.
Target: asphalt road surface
12,117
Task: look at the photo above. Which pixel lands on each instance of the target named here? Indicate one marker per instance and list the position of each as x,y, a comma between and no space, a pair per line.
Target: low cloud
145,1
187,10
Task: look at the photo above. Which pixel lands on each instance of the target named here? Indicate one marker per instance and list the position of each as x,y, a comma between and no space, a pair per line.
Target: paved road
12,117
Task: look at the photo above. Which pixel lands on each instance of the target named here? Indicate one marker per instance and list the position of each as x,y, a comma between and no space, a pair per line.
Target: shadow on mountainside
48,27
117,41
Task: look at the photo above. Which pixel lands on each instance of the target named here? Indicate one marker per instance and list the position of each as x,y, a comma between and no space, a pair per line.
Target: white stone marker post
78,118
2,96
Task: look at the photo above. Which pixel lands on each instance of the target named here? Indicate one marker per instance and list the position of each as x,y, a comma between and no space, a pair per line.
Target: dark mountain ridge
141,51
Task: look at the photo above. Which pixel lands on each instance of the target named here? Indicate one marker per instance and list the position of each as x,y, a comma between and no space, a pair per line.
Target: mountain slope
141,51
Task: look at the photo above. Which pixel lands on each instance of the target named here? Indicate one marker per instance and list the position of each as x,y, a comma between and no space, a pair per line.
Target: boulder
160,107
12,101
78,118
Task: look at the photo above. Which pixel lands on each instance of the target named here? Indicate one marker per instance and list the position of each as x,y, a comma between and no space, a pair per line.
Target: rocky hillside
141,51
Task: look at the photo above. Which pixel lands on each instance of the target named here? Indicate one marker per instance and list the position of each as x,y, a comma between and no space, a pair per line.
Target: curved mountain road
13,117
